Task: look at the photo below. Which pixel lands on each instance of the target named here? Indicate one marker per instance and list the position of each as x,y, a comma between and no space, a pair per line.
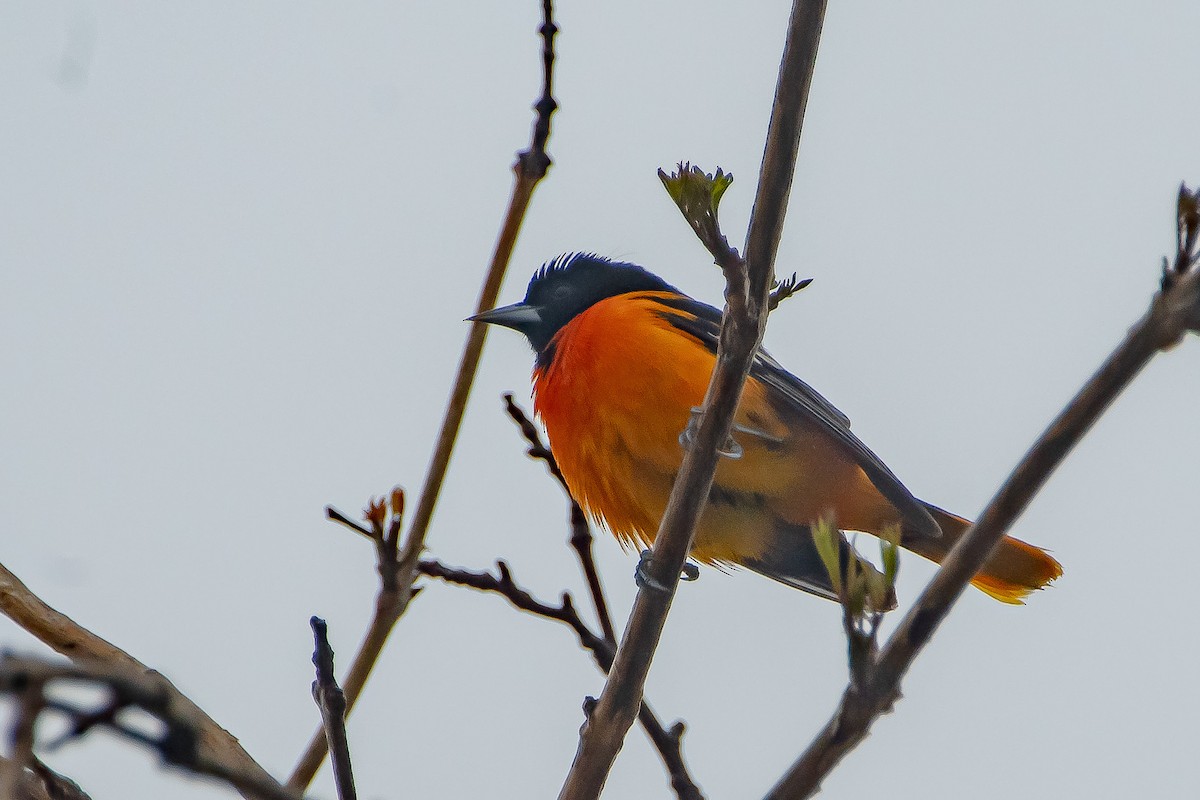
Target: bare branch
39,782
179,744
537,448
746,301
386,518
582,540
65,636
529,169
1174,311
669,743
332,702
30,702
503,584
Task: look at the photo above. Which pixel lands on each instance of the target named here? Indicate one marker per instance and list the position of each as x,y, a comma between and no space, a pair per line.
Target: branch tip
698,197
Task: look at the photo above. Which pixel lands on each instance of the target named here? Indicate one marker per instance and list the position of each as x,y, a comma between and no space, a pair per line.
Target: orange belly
614,406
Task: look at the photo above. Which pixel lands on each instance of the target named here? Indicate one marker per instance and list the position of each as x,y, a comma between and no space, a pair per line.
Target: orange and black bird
623,358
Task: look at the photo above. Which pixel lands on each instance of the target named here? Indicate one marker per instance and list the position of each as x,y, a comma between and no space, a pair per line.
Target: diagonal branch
531,166
741,332
68,638
1174,311
180,742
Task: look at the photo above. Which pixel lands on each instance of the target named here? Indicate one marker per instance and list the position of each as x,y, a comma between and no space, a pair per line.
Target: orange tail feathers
1014,569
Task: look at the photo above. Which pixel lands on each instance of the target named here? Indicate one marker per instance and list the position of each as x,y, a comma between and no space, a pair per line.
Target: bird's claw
644,580
731,449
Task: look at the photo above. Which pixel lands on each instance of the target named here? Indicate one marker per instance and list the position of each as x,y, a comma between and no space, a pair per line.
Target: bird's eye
560,293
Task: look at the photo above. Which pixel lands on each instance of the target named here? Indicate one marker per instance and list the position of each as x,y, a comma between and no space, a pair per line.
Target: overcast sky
238,241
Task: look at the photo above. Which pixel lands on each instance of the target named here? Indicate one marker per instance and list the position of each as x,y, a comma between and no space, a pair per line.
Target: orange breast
615,398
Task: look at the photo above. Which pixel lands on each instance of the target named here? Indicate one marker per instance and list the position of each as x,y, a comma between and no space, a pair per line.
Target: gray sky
238,244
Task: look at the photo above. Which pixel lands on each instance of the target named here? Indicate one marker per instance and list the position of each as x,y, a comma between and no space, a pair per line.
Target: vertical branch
783,141
332,703
742,328
30,702
39,782
582,542
667,742
531,166
386,519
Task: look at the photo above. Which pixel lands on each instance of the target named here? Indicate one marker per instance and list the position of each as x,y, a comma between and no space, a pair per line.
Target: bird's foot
642,577
731,449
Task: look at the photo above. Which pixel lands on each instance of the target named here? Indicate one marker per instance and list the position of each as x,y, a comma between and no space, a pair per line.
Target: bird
622,363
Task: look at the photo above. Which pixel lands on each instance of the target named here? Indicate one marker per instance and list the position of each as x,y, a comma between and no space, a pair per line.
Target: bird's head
566,287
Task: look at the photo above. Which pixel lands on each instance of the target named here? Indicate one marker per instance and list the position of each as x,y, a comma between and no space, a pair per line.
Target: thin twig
503,584
582,540
741,332
668,742
386,518
180,742
332,702
531,166
68,638
1174,311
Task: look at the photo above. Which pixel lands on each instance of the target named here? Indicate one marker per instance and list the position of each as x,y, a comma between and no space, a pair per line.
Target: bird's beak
518,316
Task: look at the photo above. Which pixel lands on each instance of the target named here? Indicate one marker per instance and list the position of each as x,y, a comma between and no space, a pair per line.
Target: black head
564,288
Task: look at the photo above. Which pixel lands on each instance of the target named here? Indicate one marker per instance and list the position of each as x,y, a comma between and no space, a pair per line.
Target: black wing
704,323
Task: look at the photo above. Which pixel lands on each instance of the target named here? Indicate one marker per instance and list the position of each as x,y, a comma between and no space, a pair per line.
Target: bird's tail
1014,569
